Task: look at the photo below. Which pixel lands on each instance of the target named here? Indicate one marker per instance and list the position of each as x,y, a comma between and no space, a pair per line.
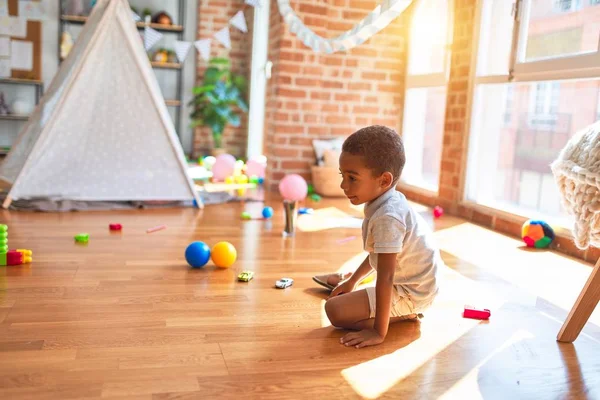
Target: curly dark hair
381,147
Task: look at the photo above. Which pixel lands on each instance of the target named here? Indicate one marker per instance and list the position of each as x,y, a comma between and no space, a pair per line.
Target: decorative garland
374,22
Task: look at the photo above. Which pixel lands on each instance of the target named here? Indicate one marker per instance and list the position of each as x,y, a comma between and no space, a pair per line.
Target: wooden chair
577,174
583,308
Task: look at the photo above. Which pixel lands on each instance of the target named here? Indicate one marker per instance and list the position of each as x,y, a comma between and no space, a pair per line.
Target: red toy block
14,257
115,227
476,313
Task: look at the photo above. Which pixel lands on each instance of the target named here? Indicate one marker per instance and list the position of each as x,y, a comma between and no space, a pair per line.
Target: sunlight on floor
327,218
468,387
373,378
545,274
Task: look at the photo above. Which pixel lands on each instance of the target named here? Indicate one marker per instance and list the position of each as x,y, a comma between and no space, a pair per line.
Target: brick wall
323,96
214,15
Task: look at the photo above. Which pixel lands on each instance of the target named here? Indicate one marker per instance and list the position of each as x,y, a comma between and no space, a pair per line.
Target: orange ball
223,254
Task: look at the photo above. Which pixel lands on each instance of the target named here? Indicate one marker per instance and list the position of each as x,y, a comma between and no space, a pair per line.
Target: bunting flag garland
181,50
223,37
239,21
374,22
253,3
151,37
203,46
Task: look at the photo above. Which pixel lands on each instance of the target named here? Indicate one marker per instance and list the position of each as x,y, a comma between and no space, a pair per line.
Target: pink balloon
254,168
293,187
224,166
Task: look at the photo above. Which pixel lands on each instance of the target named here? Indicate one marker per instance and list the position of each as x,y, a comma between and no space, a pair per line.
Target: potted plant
219,101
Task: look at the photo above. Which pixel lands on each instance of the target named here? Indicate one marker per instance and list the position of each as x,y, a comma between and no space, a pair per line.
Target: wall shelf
76,19
14,117
162,65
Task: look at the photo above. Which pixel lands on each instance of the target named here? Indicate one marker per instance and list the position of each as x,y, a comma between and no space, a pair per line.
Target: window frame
580,66
428,80
577,66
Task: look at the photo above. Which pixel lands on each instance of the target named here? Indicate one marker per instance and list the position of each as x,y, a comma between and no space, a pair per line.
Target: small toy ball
438,211
115,227
315,197
536,233
229,180
267,212
82,238
261,180
246,215
208,162
242,179
223,167
254,179
293,187
223,254
197,254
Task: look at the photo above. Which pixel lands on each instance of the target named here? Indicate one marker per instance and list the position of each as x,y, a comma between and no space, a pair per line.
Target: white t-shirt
392,226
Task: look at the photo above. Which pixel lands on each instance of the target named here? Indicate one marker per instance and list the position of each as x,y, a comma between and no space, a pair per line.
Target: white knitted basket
577,174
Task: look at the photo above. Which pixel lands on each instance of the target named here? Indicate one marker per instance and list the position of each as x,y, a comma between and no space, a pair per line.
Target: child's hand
346,286
364,338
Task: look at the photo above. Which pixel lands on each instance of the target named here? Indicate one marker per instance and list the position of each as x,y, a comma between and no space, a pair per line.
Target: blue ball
261,181
197,254
267,212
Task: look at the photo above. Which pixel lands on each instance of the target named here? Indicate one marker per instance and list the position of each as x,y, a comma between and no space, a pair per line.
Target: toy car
245,276
283,283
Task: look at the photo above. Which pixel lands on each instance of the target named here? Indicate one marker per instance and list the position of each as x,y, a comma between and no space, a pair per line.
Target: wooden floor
124,317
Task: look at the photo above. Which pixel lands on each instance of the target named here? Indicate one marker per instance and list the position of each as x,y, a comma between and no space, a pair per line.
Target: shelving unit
39,91
177,68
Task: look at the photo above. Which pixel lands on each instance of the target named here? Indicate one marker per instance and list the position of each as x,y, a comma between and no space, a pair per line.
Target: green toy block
2,259
3,241
4,249
82,237
3,228
3,235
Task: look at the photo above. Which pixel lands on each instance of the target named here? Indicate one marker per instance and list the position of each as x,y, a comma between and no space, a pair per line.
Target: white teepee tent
102,132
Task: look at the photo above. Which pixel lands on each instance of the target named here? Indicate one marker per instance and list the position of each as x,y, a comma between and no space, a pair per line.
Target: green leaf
219,61
223,111
240,82
242,105
234,120
212,75
203,89
221,91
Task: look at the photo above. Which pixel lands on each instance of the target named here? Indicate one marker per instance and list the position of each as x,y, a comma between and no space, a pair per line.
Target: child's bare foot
331,280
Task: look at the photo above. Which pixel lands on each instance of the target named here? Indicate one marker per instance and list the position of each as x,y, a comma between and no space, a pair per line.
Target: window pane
495,38
559,28
516,133
429,37
422,133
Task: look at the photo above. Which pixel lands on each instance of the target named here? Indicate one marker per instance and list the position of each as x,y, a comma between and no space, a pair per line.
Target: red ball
438,211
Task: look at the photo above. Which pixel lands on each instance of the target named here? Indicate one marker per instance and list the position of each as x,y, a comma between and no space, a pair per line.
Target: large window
425,100
531,95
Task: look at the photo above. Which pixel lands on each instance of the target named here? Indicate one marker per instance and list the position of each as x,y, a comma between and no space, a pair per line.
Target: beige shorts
401,305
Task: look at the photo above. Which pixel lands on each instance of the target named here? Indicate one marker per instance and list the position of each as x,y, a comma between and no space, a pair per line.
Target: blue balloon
197,254
267,212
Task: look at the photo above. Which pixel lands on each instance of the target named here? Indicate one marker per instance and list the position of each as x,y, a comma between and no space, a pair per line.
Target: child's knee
333,312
